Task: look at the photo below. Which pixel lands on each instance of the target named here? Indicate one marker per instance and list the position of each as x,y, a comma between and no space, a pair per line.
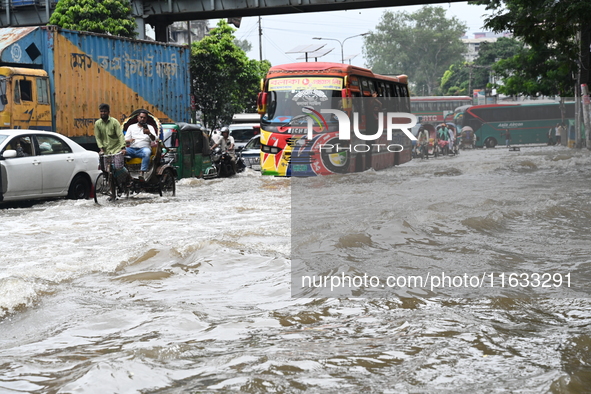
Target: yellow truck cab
24,99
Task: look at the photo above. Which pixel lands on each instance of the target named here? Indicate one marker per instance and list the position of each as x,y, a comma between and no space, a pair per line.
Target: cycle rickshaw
120,175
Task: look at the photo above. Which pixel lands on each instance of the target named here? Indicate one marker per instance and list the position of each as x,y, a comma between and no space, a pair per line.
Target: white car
41,164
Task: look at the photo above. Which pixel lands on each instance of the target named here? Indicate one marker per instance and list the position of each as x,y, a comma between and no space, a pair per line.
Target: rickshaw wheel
168,183
104,189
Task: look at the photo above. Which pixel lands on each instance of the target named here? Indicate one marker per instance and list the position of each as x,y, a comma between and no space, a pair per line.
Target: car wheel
79,188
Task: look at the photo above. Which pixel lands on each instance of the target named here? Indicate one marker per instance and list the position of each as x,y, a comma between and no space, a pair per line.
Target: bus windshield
291,103
290,95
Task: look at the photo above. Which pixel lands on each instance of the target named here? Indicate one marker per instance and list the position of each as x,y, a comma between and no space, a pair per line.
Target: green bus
526,123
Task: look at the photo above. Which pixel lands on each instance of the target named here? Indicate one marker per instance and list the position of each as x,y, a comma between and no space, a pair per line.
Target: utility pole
470,84
260,40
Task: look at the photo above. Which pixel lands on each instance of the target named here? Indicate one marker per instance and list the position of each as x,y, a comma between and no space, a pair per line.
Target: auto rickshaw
187,150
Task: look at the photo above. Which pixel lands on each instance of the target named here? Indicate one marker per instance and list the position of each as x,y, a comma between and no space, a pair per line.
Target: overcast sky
284,32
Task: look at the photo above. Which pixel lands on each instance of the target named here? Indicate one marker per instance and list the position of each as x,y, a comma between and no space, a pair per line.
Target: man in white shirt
139,136
226,144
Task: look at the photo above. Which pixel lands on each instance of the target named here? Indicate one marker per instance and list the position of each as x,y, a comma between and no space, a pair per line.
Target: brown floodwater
196,293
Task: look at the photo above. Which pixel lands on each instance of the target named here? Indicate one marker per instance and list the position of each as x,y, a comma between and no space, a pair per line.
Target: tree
422,45
559,34
535,71
558,29
97,16
225,81
462,77
245,45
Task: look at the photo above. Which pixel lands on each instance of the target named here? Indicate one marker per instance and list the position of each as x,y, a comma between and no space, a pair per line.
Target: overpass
161,13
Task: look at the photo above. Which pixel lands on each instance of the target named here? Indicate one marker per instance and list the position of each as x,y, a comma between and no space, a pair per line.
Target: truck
55,79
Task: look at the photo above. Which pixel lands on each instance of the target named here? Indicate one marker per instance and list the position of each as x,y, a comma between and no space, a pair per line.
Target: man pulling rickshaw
423,143
138,168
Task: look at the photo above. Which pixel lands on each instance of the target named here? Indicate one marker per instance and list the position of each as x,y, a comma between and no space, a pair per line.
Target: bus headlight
270,149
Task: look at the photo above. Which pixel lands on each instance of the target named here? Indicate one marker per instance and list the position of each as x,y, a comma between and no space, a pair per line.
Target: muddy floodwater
193,293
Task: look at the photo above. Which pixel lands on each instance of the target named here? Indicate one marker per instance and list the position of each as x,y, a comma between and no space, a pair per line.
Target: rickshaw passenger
443,133
139,136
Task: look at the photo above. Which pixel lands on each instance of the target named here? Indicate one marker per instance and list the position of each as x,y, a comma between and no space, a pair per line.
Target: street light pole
341,43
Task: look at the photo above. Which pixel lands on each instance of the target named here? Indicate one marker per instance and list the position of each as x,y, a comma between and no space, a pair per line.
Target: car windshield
3,137
243,134
254,143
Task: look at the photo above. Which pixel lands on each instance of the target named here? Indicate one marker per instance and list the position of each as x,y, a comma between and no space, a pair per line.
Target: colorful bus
437,109
526,123
301,137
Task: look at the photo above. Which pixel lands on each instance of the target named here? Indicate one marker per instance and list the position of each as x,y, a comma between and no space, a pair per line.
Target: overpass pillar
137,11
141,27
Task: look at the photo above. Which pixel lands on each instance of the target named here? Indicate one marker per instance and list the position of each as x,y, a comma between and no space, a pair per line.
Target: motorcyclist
226,144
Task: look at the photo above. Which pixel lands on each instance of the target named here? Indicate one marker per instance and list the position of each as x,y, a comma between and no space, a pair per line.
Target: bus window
391,90
404,91
382,90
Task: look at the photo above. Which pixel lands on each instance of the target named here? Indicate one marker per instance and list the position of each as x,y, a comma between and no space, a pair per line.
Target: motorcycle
222,163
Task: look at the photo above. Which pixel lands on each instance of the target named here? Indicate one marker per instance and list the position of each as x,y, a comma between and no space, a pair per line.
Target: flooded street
195,293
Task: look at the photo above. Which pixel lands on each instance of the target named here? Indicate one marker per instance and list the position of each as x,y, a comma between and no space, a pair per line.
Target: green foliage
455,80
535,71
460,78
225,81
422,45
97,16
552,29
245,45
538,22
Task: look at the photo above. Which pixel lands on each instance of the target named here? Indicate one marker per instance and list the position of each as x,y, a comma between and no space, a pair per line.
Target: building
473,44
178,32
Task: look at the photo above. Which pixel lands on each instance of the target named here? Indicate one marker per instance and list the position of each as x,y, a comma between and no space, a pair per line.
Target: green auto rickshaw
188,150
